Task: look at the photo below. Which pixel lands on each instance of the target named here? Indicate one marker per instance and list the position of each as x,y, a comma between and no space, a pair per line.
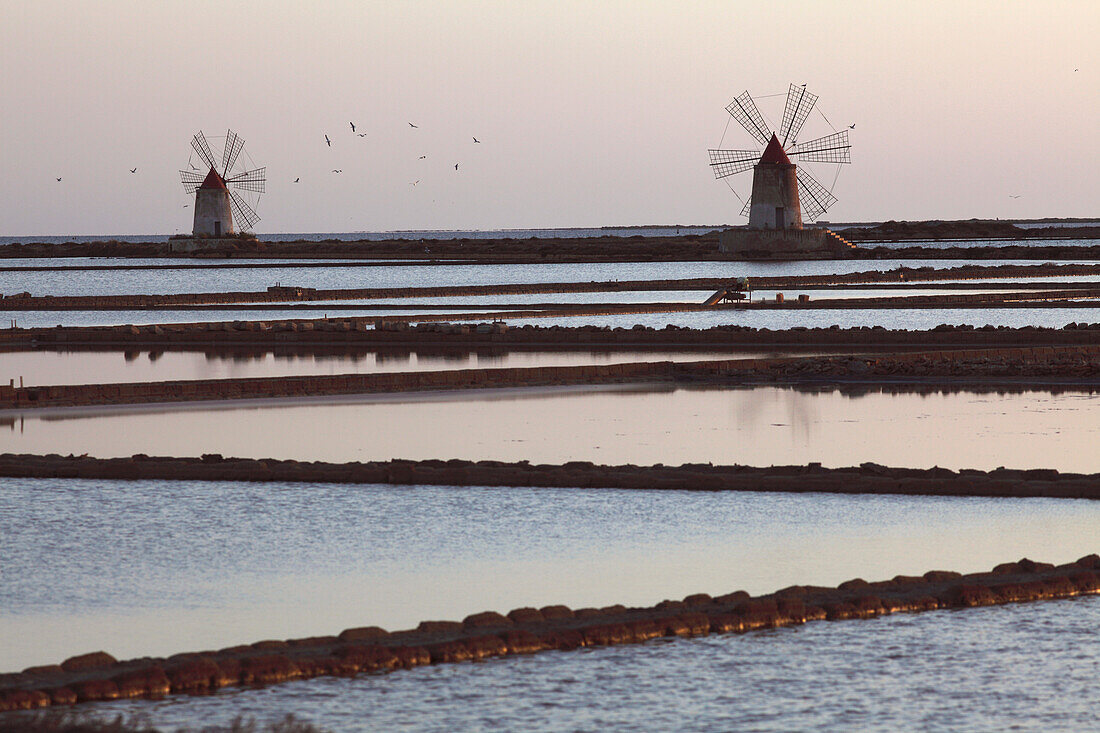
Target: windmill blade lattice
815,198
203,149
727,162
233,145
746,207
833,148
191,180
744,110
797,109
252,180
242,212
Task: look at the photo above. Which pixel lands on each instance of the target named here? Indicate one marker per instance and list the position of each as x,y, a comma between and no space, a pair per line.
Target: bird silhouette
412,125
327,141
187,206
337,170
133,170
422,157
1015,197
59,179
415,182
352,126
851,127
361,134
456,168
476,140
297,179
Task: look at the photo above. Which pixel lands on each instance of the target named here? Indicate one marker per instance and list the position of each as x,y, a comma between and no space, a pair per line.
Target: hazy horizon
588,115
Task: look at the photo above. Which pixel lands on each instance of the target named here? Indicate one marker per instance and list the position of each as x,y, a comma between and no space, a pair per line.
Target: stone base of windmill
191,245
782,243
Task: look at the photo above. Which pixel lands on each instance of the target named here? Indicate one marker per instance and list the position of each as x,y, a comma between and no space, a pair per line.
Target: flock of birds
354,129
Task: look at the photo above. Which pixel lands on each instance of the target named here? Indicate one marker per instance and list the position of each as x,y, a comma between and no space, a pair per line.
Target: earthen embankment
1078,365
98,676
868,478
396,331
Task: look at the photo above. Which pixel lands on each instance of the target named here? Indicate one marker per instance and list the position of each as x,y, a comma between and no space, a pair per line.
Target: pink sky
588,114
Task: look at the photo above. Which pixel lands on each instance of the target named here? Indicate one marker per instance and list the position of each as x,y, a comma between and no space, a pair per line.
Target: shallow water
1029,667
639,424
158,567
121,282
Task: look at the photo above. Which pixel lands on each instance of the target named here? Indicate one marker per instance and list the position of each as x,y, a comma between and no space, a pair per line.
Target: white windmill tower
220,192
781,190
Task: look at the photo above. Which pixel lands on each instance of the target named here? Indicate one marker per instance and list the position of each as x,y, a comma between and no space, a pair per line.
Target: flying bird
327,141
133,170
422,157
352,126
361,134
476,140
851,127
415,182
456,168
297,179
412,125
337,170
59,179
1016,196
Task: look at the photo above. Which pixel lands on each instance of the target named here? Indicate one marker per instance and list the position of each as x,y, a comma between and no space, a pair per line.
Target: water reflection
642,424
99,366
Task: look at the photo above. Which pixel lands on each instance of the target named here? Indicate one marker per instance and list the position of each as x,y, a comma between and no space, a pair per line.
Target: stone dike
390,331
98,676
868,478
1078,365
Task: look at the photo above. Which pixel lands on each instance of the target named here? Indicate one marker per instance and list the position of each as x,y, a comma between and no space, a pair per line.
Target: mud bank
1067,296
868,478
1079,364
376,331
98,676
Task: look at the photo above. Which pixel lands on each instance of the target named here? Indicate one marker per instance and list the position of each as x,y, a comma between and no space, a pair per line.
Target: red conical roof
774,153
213,180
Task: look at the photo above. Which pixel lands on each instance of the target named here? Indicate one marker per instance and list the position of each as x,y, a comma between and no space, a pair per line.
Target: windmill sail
233,145
252,180
795,112
746,207
203,149
814,197
191,180
727,162
744,110
833,148
242,212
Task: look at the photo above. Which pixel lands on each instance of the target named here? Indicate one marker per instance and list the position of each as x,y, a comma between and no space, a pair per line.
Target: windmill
227,193
782,191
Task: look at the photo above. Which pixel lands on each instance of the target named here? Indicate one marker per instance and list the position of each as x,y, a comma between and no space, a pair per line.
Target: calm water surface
112,282
157,567
1029,667
639,424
